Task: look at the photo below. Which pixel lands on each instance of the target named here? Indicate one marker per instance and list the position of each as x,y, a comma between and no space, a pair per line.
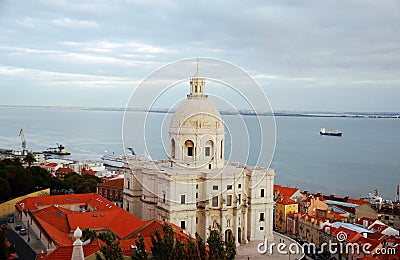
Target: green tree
230,248
216,244
112,250
201,247
220,249
140,252
163,247
81,184
22,183
29,159
179,250
191,249
41,177
89,234
5,190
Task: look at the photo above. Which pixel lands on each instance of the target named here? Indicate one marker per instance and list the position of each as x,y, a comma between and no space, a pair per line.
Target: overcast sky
307,55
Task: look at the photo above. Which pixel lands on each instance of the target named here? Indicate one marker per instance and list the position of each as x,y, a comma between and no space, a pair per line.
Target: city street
22,248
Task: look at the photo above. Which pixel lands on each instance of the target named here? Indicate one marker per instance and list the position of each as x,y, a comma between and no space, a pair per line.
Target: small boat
57,150
334,133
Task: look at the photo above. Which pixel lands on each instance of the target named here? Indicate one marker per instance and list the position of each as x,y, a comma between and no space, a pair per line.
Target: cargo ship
57,150
334,133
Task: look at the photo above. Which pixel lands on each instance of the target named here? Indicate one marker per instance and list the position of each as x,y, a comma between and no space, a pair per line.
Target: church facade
195,187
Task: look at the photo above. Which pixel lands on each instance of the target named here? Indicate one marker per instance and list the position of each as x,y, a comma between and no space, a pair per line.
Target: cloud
58,79
287,45
108,46
66,22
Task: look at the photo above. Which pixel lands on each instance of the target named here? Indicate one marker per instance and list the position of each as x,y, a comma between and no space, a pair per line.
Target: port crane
23,142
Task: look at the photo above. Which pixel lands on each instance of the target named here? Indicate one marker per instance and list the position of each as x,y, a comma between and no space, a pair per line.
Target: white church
195,187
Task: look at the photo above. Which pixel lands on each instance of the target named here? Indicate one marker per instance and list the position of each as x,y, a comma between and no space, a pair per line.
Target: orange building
286,202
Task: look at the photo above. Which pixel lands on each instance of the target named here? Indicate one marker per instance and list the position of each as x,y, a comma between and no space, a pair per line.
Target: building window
173,148
221,150
128,184
239,186
197,195
190,147
183,224
262,193
262,217
183,199
215,187
215,201
164,197
197,220
261,228
208,151
239,199
229,187
197,186
229,200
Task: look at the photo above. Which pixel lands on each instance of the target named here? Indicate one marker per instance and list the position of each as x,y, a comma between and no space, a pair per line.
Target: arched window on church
209,149
215,224
189,148
221,149
128,184
173,148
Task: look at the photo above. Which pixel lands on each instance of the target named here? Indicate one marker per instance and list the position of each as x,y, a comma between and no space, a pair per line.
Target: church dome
191,110
196,131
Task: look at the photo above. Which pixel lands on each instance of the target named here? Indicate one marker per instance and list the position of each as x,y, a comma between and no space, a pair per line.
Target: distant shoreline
380,115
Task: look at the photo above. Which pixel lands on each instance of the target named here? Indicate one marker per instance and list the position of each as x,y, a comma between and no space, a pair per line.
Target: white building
195,188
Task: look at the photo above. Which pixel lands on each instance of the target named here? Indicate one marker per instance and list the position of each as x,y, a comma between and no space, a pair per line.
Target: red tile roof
147,231
287,191
64,170
285,200
369,220
90,171
114,184
61,220
51,164
35,203
120,222
359,201
65,252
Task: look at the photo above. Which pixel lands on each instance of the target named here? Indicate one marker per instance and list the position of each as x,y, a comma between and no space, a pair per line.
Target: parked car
18,227
23,232
3,226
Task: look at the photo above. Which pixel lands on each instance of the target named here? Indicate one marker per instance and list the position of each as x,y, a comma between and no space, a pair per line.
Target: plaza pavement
249,251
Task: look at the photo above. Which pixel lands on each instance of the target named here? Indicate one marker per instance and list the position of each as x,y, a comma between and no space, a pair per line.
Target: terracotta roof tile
51,164
59,237
115,184
287,191
65,252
